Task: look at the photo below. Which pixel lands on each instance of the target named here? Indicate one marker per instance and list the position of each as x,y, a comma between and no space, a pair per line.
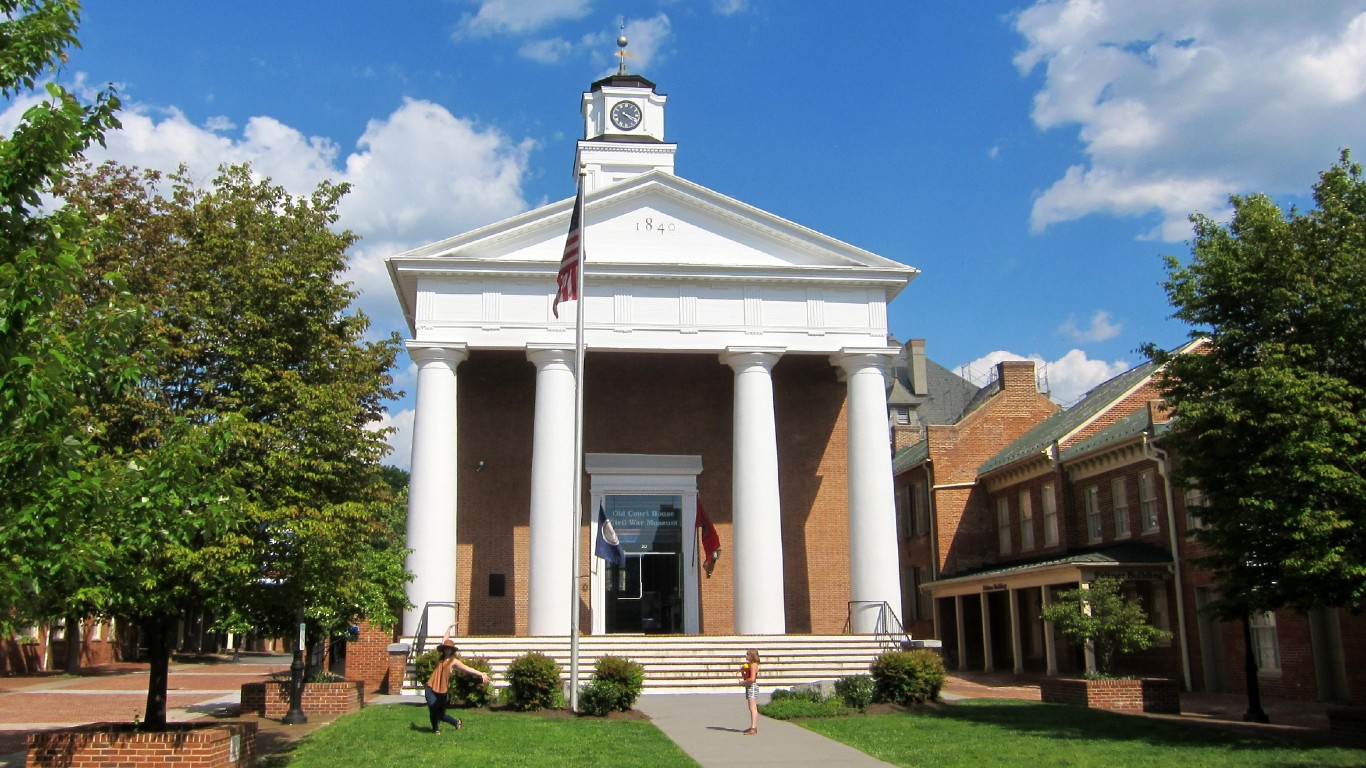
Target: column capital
740,358
854,359
545,354
427,352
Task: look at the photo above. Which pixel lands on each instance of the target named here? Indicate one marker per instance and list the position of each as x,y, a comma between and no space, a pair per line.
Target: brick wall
1145,695
654,404
120,745
367,658
271,699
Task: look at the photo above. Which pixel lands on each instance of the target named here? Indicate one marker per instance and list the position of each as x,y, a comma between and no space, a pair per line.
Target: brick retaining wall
1137,695
121,745
271,699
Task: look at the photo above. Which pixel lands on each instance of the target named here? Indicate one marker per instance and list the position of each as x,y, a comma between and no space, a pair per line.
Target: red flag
567,282
711,540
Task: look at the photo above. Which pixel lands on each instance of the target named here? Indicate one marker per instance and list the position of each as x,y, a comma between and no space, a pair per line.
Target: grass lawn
971,734
397,735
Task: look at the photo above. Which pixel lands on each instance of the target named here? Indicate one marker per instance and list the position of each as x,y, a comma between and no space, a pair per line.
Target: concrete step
681,663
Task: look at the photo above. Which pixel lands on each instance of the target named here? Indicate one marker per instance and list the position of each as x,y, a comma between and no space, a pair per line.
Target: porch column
1090,652
1016,636
759,597
550,580
873,573
1050,645
962,623
431,489
988,663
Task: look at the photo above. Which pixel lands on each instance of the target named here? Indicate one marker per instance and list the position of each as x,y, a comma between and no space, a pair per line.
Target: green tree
1269,417
53,474
249,325
1103,620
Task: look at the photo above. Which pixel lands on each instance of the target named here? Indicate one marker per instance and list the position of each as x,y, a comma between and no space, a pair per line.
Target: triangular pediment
660,223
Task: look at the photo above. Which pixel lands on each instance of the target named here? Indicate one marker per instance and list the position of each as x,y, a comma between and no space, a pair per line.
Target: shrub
533,682
464,690
423,666
855,691
468,690
810,694
907,677
616,684
802,706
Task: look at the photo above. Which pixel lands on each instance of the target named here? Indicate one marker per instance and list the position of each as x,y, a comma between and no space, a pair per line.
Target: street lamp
295,715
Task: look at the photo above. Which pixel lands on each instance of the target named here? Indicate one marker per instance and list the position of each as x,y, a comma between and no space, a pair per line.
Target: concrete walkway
710,728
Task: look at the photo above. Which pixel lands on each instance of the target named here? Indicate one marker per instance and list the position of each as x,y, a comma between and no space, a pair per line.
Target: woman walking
438,685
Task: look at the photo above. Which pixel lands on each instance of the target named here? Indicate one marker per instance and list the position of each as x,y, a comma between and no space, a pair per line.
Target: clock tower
623,129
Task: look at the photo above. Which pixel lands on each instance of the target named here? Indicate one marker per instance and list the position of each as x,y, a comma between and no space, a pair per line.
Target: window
1119,499
1195,501
1092,497
901,414
920,491
1003,524
1147,500
903,511
1026,522
1265,642
1157,607
924,603
1050,515
909,600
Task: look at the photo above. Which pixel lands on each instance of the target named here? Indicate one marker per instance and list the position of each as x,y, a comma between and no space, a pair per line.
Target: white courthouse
734,359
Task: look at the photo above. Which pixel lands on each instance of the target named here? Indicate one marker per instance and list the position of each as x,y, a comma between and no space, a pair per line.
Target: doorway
645,595
651,502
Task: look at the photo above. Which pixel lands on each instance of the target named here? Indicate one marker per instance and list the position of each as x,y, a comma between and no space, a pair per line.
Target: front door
645,595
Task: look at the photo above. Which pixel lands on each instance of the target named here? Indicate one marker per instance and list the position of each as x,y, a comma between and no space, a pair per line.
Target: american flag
568,279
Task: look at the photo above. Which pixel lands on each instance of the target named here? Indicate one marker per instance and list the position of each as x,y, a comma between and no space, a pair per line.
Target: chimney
1016,374
915,367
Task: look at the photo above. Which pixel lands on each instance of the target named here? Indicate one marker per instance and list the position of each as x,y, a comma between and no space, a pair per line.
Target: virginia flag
608,546
711,540
567,283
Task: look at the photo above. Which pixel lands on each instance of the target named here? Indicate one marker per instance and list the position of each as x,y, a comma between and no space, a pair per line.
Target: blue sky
1034,160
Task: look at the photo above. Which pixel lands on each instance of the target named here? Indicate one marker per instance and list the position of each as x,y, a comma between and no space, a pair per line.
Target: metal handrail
420,637
888,630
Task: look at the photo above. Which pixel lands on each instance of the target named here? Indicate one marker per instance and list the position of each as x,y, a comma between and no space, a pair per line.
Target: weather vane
622,54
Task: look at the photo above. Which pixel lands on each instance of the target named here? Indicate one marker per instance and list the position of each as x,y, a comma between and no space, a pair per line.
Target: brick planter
122,745
1140,695
1348,725
271,699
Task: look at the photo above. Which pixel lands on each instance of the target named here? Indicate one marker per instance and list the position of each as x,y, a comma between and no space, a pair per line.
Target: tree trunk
73,644
158,631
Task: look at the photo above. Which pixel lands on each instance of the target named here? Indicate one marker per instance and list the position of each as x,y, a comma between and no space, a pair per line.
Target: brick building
1086,492
735,363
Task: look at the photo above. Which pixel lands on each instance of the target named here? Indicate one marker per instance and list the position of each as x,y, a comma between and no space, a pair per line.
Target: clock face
626,115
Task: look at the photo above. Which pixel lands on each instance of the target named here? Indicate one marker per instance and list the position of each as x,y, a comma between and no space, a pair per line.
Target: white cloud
729,7
1101,328
520,16
1068,378
418,175
1180,104
547,51
400,440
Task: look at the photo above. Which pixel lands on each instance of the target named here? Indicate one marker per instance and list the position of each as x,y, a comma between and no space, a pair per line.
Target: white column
431,489
550,578
873,575
1050,646
988,662
1016,634
962,625
758,531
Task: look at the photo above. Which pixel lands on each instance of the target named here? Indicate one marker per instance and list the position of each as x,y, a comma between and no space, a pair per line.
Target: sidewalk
709,727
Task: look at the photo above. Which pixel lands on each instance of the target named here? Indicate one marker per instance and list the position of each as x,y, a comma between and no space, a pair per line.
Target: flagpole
578,451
